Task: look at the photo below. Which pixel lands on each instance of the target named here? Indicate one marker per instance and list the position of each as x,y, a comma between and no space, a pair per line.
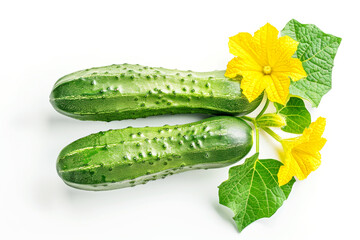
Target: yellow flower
265,62
302,153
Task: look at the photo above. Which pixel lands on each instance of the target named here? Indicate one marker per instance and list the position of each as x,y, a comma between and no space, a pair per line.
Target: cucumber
127,91
130,156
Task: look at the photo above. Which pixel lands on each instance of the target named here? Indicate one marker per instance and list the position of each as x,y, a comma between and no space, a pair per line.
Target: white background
40,41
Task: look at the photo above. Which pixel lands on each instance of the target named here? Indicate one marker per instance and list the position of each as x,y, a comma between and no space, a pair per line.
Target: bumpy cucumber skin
130,156
126,91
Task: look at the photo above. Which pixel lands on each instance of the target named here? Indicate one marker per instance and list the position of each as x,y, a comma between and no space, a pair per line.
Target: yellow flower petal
286,47
278,88
302,153
316,129
267,37
243,46
237,67
292,68
251,86
233,68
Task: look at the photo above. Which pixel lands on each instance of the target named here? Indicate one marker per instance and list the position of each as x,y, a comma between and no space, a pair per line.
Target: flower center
267,70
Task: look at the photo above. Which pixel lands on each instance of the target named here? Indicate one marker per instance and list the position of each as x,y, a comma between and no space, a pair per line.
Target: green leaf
270,120
316,51
297,117
252,190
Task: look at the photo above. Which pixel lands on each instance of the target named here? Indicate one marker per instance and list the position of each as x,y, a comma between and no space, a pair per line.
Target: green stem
273,134
257,138
264,109
249,119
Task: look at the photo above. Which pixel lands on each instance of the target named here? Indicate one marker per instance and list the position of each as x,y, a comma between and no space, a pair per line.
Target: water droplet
207,85
138,144
136,99
165,163
181,142
193,81
142,105
93,82
189,75
110,168
192,90
184,89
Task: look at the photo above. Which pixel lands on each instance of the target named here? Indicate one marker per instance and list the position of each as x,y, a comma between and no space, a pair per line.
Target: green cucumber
127,91
130,156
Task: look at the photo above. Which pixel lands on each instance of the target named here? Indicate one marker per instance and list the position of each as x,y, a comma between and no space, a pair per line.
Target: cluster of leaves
254,189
